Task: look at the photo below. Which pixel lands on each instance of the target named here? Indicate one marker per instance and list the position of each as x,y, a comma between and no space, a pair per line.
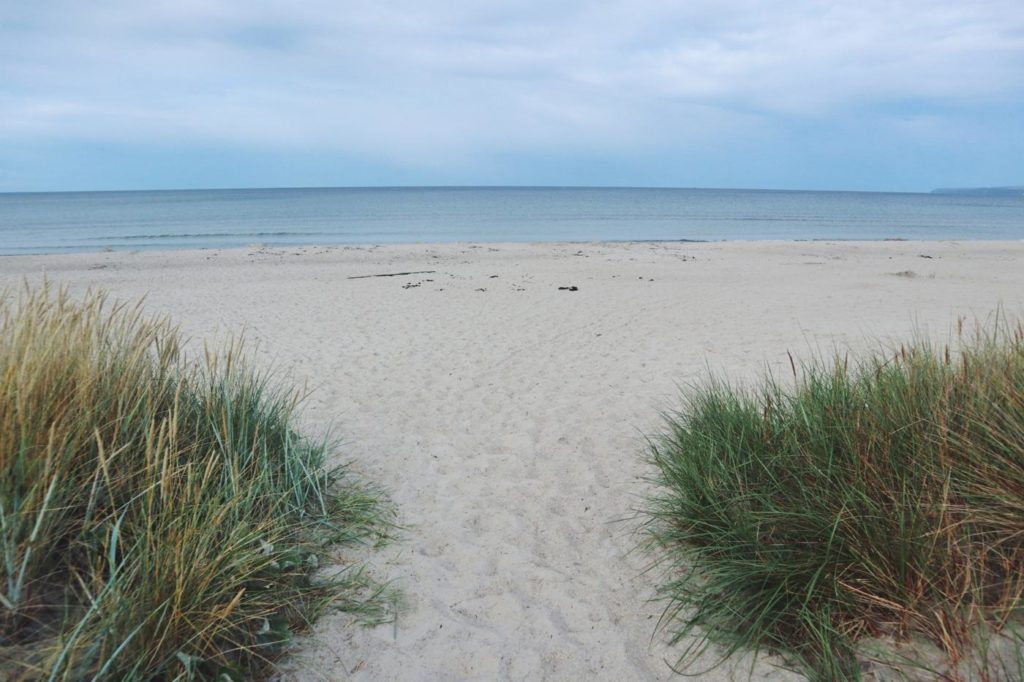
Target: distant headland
981,191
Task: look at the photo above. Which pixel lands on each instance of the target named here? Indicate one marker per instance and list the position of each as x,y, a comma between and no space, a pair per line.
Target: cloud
461,82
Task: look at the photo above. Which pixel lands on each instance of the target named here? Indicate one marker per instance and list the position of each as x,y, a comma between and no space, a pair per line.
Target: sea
224,218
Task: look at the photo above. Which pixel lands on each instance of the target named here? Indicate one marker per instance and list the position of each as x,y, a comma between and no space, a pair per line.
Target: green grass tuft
160,518
882,500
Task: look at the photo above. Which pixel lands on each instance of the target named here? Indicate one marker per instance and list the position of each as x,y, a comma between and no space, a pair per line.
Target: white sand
506,416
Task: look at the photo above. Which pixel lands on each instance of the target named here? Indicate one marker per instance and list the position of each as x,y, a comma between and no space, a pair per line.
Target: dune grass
876,500
160,518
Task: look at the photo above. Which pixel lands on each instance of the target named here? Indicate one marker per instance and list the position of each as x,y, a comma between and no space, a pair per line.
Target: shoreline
609,242
505,412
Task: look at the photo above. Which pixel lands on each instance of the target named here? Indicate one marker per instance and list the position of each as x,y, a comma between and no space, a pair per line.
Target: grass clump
159,518
880,500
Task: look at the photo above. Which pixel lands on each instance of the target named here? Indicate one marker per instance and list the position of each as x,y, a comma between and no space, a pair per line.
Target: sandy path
505,414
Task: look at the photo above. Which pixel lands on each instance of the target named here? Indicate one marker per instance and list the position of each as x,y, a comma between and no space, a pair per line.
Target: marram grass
882,501
159,518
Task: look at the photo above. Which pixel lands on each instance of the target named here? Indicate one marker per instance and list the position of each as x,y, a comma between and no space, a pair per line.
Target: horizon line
479,187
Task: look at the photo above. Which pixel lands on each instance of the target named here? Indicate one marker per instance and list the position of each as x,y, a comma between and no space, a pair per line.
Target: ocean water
95,221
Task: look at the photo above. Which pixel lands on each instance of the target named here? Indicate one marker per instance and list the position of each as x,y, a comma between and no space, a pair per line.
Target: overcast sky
898,95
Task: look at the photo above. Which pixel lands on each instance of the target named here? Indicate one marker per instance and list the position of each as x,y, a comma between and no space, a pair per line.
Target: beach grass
160,516
867,501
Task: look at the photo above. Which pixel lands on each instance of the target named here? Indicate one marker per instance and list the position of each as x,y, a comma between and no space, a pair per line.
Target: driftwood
395,274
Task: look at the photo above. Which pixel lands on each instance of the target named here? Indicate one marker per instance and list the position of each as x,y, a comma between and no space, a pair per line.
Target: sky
893,95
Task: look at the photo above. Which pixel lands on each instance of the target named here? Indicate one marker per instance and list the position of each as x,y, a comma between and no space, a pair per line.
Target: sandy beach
501,393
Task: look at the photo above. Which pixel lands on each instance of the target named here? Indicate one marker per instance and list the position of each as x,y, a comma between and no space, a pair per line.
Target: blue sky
894,95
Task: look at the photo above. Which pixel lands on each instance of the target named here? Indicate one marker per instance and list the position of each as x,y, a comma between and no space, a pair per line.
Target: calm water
93,221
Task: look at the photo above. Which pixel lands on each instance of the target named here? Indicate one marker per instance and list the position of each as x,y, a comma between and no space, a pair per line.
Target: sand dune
505,412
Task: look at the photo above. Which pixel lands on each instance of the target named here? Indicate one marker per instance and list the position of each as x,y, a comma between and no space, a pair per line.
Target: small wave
212,235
